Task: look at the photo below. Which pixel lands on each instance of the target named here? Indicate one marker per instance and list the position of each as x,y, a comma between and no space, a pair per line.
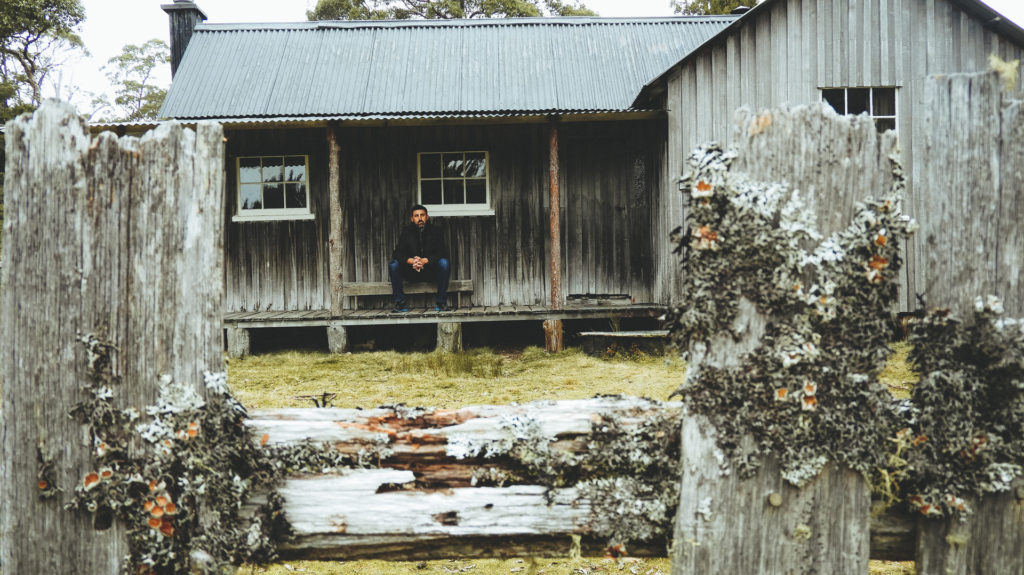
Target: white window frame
484,209
871,102
271,214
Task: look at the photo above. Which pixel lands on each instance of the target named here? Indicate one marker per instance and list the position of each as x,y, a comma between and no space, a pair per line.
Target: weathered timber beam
437,495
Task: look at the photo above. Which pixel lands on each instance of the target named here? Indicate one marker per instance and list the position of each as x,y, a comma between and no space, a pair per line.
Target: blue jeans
399,271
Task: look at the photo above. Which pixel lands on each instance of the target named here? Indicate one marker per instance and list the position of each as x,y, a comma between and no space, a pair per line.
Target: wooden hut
335,129
355,121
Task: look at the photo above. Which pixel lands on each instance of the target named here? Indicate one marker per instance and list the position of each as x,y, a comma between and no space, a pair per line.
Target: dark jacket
429,244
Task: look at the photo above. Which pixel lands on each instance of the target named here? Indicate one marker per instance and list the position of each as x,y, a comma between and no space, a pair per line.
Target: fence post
971,193
758,386
120,240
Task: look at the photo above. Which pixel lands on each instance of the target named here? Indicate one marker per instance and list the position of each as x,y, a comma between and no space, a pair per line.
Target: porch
449,324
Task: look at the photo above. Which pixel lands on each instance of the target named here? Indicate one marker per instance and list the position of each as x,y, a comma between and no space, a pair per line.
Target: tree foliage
443,9
706,7
33,34
131,75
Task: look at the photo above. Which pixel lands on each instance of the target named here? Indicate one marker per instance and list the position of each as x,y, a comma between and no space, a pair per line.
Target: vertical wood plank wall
279,265
610,175
789,51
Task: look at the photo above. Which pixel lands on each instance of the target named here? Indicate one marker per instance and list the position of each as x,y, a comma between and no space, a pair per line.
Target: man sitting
421,255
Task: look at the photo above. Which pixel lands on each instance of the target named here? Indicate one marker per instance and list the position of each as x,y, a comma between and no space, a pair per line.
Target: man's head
419,216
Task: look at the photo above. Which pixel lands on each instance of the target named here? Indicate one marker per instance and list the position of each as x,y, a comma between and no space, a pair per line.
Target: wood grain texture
120,239
988,542
726,524
849,163
336,237
974,191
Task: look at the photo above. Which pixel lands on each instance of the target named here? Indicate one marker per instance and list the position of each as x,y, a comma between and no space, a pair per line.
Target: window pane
430,191
835,98
857,100
452,165
295,169
295,195
884,124
430,165
273,196
249,170
476,165
476,191
273,168
251,196
884,102
454,192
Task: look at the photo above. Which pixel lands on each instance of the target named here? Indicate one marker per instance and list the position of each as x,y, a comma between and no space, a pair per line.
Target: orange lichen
877,262
91,480
781,393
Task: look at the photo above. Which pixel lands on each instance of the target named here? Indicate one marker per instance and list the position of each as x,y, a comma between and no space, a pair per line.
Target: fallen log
492,481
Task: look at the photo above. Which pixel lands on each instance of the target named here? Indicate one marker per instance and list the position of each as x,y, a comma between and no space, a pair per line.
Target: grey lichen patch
965,434
178,475
807,390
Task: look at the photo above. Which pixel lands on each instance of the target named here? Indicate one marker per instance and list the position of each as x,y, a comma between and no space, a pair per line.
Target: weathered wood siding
278,265
607,175
789,49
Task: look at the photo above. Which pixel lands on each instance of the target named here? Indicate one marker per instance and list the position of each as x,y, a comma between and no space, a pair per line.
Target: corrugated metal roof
425,67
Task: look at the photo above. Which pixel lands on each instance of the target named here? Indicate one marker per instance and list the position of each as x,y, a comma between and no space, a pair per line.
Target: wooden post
970,196
553,328
336,237
238,341
120,240
337,338
449,336
987,541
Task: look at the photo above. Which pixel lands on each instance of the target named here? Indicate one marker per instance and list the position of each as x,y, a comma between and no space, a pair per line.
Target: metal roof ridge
459,23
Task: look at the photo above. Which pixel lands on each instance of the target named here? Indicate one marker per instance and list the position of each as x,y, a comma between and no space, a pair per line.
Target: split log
423,502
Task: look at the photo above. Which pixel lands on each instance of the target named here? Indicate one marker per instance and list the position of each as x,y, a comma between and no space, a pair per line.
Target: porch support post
449,336
553,328
238,341
337,338
336,236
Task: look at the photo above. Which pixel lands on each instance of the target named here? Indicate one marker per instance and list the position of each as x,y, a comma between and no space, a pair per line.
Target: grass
446,380
480,376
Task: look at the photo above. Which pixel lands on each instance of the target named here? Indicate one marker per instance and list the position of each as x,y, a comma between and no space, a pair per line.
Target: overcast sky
110,24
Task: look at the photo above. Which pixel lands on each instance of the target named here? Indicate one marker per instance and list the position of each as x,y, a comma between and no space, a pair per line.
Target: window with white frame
879,103
273,188
454,183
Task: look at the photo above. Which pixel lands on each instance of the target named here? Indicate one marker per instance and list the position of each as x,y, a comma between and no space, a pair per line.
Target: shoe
443,307
400,307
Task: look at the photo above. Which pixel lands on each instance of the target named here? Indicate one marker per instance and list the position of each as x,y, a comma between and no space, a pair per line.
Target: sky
111,24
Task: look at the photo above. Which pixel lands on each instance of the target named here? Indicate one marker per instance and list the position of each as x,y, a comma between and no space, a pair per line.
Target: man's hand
417,263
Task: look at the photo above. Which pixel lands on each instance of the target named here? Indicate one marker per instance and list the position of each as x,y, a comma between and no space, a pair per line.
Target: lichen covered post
784,416
113,266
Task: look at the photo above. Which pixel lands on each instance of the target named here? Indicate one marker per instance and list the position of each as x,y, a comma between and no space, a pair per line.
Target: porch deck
238,324
323,317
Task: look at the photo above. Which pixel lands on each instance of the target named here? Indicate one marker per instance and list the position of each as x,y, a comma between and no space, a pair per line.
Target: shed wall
785,54
609,176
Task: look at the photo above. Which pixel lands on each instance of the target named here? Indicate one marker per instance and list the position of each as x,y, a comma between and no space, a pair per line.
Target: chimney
184,15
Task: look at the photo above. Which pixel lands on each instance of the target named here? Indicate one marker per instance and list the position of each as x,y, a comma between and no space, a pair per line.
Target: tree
704,7
131,74
33,35
443,9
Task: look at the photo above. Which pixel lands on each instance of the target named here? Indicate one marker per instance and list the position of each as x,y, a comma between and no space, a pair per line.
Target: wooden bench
356,289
